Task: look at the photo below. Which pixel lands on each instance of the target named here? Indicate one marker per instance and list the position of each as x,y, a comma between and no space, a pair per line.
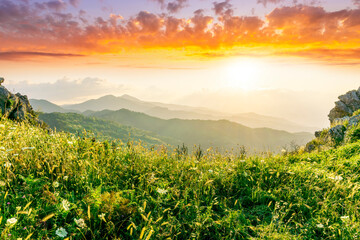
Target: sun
242,74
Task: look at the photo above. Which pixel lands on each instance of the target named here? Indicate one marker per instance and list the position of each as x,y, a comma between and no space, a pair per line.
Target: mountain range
170,111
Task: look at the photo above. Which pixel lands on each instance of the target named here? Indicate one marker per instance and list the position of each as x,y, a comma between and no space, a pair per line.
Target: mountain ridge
171,111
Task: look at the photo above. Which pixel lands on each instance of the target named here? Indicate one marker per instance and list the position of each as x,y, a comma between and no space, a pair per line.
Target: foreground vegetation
57,186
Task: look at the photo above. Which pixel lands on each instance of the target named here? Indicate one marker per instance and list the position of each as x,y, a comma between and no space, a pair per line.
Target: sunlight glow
242,74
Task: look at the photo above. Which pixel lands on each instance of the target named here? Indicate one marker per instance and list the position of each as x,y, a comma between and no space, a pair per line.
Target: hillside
170,111
103,130
62,185
222,133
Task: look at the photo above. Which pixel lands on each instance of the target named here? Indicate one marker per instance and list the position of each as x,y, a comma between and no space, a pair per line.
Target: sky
284,58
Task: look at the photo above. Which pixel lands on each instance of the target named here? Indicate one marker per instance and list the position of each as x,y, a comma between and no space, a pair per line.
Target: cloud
223,8
356,2
67,90
265,2
172,7
24,55
289,30
55,5
74,3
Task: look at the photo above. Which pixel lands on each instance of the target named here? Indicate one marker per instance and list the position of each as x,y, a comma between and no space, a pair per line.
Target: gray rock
353,121
348,104
1,80
16,107
337,133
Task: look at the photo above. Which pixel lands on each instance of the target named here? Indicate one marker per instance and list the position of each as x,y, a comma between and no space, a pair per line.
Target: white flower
320,225
211,171
27,148
9,150
80,222
11,221
7,165
2,183
55,184
344,218
12,128
337,178
283,150
61,232
242,161
2,148
2,125
161,191
70,143
65,204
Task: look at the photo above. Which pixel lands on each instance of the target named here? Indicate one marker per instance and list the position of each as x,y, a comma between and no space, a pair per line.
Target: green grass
125,191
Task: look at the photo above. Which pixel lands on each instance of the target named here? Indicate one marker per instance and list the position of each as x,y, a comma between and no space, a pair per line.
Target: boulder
346,106
337,133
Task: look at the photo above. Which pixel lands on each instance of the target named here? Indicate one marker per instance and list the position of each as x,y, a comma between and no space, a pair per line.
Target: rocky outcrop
346,106
16,106
337,133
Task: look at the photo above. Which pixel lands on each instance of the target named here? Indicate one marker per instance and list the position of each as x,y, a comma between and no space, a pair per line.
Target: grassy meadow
59,186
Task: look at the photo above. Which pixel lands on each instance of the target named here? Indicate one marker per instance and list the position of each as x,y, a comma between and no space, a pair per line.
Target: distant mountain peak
128,97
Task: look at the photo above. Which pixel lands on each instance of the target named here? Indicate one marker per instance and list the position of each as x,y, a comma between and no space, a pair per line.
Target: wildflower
12,128
283,150
8,203
344,218
2,183
211,171
11,221
65,204
7,165
27,148
55,184
61,232
80,222
69,142
161,191
15,155
66,178
9,150
2,125
320,225
337,178
2,148
102,216
242,161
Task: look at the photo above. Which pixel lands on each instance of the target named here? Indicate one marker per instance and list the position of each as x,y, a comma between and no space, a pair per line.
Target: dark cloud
55,5
223,8
173,6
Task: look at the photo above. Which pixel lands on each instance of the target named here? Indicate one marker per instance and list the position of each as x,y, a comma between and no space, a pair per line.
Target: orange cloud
298,30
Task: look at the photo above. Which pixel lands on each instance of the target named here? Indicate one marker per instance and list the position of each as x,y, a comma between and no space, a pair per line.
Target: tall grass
59,186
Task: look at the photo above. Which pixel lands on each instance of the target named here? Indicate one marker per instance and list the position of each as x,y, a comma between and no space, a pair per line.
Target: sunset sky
275,57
